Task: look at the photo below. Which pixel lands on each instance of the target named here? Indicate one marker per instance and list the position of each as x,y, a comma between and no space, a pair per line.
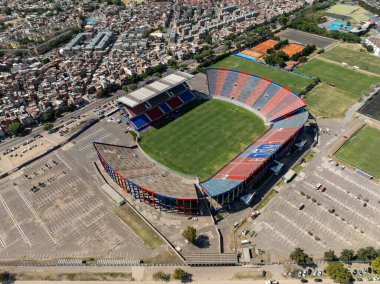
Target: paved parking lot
54,208
334,219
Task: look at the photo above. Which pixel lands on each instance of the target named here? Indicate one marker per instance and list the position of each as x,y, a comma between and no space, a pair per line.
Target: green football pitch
363,60
350,81
363,151
293,82
340,87
204,138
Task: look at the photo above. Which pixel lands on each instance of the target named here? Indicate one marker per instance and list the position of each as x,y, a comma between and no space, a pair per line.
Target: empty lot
307,38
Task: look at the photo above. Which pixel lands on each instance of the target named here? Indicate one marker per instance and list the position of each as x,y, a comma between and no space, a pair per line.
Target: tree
47,126
179,274
338,272
190,234
375,264
347,255
160,275
330,255
299,256
366,254
5,10
48,116
132,87
370,48
227,43
15,128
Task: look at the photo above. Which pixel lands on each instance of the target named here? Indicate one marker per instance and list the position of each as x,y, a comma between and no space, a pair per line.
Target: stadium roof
149,91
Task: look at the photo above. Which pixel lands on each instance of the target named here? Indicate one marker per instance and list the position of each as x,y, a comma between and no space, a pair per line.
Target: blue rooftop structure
216,187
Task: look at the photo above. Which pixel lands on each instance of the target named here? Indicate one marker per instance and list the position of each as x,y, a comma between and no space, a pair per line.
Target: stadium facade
280,108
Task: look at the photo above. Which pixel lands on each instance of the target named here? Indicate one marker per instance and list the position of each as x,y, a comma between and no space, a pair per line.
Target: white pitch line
64,162
14,220
35,214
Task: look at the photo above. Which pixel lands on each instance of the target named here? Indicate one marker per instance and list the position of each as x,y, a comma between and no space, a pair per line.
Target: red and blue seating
280,107
272,100
186,96
154,113
140,121
174,102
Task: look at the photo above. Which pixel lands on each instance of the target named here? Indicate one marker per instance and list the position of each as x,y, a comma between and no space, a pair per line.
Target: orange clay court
264,46
292,49
252,53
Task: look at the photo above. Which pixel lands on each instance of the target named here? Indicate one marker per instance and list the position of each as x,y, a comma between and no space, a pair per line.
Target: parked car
300,206
317,280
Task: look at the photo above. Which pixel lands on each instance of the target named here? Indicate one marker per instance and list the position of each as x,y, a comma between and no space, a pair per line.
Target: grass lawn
289,80
351,82
363,151
327,101
364,60
150,238
203,139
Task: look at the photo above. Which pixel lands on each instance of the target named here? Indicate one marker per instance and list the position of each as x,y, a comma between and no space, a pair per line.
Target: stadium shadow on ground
176,114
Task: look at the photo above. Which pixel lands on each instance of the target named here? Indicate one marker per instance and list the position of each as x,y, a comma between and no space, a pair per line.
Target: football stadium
194,146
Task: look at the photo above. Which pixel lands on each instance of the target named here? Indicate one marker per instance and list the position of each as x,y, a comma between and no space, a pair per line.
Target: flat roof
154,89
132,164
141,94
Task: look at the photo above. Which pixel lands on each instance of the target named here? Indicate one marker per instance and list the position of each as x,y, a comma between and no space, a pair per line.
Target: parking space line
63,162
294,224
345,192
14,220
279,234
91,134
370,188
323,227
348,208
35,214
2,242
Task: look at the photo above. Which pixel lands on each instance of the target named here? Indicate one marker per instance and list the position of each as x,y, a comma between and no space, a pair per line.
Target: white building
374,41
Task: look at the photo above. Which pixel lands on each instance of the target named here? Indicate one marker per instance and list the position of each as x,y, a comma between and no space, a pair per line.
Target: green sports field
329,102
289,80
353,13
340,87
363,60
350,81
363,151
204,139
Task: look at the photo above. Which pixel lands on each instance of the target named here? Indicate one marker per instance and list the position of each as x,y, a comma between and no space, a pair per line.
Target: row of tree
336,270
362,254
347,255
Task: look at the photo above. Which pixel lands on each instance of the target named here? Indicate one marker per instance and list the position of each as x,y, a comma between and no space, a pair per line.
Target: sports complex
194,146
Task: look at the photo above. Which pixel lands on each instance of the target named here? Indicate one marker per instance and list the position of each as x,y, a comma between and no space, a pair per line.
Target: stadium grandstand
146,181
158,99
280,108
